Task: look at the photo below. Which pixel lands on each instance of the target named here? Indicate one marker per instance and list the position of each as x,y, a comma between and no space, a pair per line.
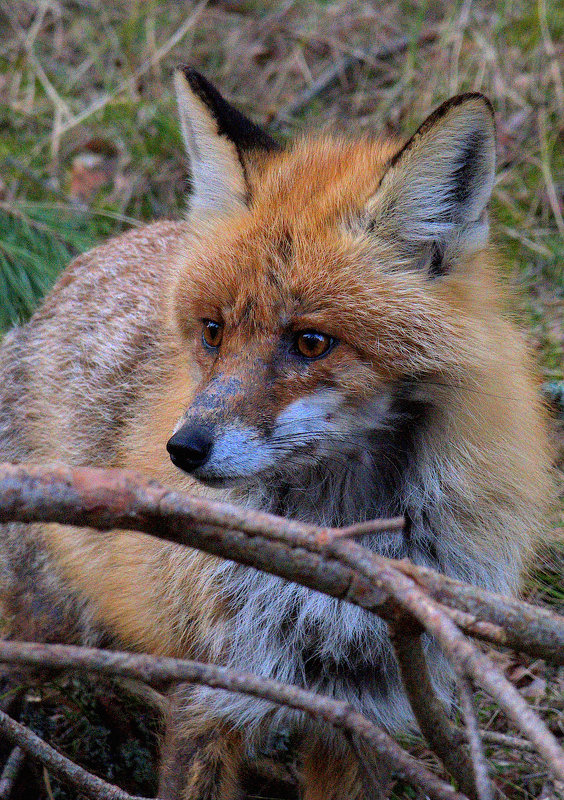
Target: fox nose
190,447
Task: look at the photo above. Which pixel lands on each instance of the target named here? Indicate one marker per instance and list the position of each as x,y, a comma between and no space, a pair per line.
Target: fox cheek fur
421,401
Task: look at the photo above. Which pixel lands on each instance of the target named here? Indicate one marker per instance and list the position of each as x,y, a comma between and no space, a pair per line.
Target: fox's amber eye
212,333
313,344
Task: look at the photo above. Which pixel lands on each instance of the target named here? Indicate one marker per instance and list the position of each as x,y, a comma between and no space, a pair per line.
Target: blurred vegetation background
90,146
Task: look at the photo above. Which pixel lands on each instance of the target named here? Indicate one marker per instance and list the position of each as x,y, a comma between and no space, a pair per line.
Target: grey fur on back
84,353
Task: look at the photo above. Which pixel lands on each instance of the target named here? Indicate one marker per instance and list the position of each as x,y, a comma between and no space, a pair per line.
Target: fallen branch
443,737
106,499
320,558
159,672
65,769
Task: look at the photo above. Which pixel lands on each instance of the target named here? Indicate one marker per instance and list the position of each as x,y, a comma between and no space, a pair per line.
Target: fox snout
220,438
219,454
190,447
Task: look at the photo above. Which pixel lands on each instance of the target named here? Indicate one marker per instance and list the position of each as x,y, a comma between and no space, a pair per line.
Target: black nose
189,447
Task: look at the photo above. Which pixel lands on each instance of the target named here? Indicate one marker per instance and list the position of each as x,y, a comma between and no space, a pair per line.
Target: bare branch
11,772
106,499
59,765
306,554
158,671
484,788
443,737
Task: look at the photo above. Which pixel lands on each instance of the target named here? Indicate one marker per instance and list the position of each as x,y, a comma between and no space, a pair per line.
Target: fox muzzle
190,447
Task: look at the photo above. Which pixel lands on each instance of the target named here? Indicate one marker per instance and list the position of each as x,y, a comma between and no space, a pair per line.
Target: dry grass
87,80
89,145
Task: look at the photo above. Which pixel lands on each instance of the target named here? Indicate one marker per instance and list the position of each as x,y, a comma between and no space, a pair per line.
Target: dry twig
315,557
484,788
59,765
159,672
11,772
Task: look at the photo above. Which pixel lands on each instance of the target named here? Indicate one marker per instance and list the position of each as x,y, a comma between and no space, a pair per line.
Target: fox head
326,293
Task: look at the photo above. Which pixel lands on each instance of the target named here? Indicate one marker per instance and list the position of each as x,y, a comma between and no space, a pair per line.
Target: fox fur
424,404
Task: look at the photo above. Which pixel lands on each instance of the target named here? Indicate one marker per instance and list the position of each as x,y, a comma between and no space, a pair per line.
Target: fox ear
432,199
219,141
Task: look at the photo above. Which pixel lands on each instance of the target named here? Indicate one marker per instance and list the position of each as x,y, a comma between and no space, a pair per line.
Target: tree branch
158,671
106,499
65,769
443,737
320,558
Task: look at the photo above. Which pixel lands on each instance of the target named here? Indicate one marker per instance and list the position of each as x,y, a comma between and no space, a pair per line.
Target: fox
323,336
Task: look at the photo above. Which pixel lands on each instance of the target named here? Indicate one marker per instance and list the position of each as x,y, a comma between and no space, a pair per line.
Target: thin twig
484,788
47,782
367,528
443,737
504,740
65,769
158,671
531,629
11,772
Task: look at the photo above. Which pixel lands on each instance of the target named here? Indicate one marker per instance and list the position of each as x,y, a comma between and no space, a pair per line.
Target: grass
89,145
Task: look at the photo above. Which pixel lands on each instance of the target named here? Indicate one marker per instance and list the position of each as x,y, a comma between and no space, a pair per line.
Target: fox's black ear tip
463,99
230,122
192,75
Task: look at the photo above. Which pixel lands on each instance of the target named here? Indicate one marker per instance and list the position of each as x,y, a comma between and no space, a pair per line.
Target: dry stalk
332,73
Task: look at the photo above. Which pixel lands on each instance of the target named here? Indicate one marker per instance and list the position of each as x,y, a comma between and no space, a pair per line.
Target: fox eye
212,334
313,344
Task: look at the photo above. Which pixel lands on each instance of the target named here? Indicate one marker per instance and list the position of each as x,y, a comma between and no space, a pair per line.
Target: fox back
322,337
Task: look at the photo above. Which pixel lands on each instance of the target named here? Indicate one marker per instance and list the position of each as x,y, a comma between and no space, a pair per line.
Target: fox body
322,338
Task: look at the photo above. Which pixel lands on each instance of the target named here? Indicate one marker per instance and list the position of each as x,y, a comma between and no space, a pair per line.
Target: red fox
322,337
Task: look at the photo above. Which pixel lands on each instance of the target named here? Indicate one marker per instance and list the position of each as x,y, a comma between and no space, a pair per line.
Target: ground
90,146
